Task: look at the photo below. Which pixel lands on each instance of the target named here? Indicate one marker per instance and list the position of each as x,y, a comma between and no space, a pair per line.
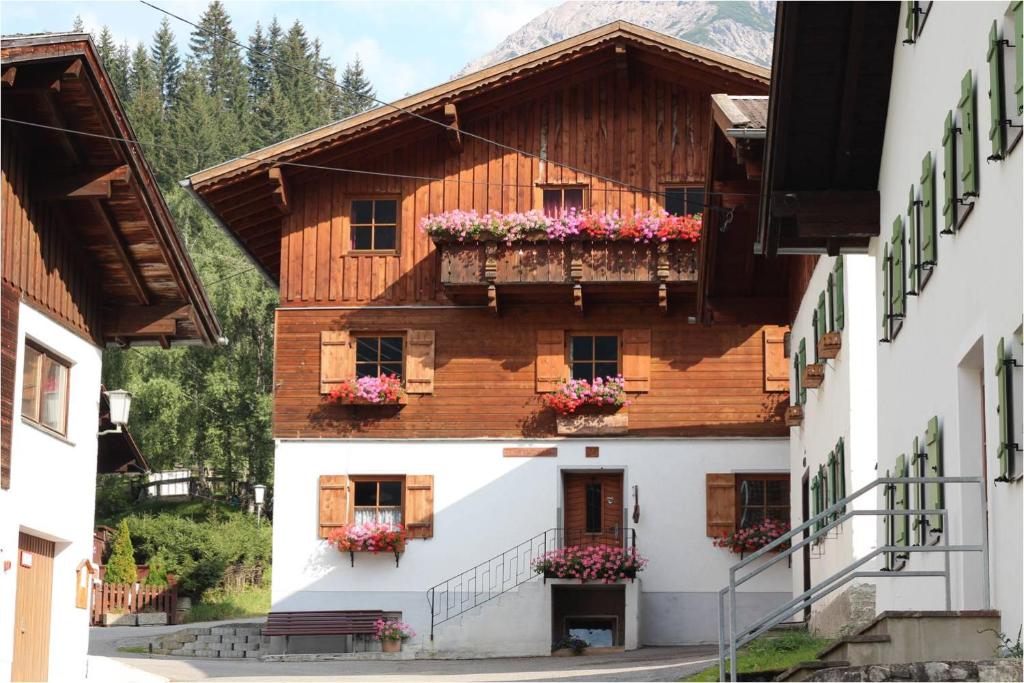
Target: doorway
593,511
32,609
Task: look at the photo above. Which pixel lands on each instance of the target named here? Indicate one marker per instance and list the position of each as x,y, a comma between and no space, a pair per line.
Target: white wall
485,504
52,495
974,297
843,406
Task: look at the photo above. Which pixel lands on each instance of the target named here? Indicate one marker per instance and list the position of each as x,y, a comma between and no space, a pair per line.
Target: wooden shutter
899,296
949,174
550,359
337,362
9,305
333,503
419,505
933,454
968,108
840,298
794,395
885,292
927,214
1018,49
815,489
914,255
636,359
419,366
841,465
1004,407
823,494
721,503
830,291
902,500
996,95
776,371
822,320
803,366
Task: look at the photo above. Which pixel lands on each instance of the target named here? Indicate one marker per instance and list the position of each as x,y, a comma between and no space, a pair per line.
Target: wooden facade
632,109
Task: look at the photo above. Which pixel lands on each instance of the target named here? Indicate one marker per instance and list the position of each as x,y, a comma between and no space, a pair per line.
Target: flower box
626,574
369,537
814,375
829,345
604,563
356,401
794,416
754,537
594,422
383,390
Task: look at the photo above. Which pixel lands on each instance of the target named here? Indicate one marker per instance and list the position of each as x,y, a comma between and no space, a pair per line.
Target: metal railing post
985,585
732,625
721,635
431,601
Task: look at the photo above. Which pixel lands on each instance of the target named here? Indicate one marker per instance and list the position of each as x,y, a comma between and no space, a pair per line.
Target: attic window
374,224
682,201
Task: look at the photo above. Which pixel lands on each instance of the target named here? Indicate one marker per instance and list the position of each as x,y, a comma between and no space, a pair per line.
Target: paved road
648,664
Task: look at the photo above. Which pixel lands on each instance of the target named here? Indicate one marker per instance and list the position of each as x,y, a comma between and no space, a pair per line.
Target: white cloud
488,24
391,76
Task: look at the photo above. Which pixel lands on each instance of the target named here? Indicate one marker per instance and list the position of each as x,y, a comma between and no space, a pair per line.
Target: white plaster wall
485,504
843,406
974,297
52,495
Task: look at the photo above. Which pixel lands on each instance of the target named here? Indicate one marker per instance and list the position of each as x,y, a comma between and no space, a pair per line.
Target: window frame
45,354
667,187
378,478
377,334
561,188
570,335
352,225
742,477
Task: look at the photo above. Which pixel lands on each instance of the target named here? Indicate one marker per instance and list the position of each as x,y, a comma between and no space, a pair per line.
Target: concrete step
804,670
921,636
856,650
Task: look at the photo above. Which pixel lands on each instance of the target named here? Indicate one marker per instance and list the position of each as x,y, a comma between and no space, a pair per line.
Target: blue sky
405,46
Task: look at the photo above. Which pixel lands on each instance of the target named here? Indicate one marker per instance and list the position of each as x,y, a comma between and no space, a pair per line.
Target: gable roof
56,80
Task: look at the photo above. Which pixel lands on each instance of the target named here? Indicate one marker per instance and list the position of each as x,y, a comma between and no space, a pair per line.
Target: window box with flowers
604,563
584,408
369,537
370,391
754,537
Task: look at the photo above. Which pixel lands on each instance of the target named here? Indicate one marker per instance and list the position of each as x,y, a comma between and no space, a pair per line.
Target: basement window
597,631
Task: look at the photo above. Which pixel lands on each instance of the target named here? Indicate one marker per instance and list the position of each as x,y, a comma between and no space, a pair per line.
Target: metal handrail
828,519
503,572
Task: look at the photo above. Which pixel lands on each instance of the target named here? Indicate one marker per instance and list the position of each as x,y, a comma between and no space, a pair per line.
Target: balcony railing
472,272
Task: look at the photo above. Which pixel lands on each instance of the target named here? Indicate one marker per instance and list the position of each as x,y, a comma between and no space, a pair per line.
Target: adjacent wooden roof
740,112
253,176
104,188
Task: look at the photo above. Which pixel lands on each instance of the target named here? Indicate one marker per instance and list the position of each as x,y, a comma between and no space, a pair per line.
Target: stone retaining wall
993,670
232,641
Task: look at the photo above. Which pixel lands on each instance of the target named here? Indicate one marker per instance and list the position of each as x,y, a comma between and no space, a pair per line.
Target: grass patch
135,649
770,653
218,604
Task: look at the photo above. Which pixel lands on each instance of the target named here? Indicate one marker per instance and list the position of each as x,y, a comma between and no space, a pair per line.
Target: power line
403,110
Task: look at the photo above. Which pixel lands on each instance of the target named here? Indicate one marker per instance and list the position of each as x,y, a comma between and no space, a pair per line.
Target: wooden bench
333,623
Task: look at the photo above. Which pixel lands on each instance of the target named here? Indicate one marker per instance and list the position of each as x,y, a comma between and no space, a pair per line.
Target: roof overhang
832,67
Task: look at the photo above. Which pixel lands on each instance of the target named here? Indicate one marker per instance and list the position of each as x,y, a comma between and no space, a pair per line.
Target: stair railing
830,518
503,572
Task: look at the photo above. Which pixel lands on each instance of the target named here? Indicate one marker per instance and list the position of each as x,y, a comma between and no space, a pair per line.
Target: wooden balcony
475,273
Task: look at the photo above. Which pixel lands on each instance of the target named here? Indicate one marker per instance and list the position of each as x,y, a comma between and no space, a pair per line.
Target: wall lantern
258,493
120,402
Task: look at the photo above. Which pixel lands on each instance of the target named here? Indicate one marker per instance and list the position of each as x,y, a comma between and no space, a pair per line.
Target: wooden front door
32,609
593,509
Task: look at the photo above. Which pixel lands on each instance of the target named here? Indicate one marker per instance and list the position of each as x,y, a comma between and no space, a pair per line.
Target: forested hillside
198,406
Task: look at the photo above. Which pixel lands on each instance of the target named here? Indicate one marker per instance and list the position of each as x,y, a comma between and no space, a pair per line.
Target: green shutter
803,364
996,96
887,521
968,109
926,212
797,392
833,482
920,523
934,492
885,292
1004,408
1018,49
830,290
815,501
914,257
949,175
841,463
823,493
910,23
899,270
840,305
821,322
902,501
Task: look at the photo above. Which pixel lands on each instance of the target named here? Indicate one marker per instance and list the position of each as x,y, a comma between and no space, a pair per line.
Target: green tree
157,566
166,63
121,565
218,57
78,26
357,94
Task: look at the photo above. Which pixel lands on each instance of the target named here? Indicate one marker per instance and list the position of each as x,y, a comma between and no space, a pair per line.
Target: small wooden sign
530,452
83,582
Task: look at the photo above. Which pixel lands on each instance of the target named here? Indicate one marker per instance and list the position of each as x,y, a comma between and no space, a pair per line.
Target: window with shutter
636,359
797,392
927,218
950,199
898,306
1004,407
920,464
333,503
419,370
776,377
419,505
830,295
802,356
551,367
1018,50
885,293
337,361
820,323
833,481
996,96
840,300
720,493
914,251
934,493
902,502
968,113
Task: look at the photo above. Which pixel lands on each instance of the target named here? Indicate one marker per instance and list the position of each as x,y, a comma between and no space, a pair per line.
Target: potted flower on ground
391,633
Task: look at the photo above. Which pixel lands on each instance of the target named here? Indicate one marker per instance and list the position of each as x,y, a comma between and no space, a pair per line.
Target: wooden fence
128,598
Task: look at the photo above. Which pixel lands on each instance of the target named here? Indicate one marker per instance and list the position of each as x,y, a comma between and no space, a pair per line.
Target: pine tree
78,26
218,58
121,565
296,70
166,63
157,575
106,46
357,91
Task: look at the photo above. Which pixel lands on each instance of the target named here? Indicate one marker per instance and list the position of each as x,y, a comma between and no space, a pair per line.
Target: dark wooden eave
829,97
105,189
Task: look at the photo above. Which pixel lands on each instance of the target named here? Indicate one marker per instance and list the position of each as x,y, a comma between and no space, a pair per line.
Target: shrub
157,575
121,565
